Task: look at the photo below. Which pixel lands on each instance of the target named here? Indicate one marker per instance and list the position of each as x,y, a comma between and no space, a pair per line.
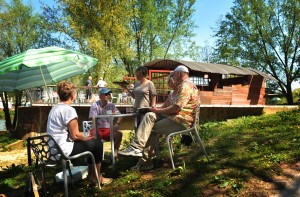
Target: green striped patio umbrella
39,67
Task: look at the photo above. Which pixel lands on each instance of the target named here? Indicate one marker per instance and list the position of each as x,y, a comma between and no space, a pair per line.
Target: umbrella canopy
38,67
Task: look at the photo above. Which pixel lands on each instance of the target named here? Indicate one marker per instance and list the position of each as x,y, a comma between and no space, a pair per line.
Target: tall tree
162,28
125,34
206,52
263,34
96,28
21,29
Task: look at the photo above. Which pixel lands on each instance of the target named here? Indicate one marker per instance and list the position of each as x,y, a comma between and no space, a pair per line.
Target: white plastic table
111,126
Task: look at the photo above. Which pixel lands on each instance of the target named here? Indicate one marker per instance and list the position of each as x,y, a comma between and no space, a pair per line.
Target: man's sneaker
142,166
131,151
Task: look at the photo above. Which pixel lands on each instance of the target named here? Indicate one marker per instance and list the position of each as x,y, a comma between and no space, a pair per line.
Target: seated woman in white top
62,125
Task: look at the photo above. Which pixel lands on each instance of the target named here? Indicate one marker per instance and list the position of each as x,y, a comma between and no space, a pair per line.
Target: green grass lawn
244,153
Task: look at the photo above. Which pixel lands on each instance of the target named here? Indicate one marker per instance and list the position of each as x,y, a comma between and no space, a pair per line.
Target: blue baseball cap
104,91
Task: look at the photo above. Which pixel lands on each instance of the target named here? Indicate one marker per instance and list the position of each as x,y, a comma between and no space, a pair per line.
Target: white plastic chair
87,127
130,100
114,97
120,99
47,97
193,130
55,97
81,97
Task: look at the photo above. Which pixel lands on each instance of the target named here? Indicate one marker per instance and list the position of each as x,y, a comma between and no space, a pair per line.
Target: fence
49,95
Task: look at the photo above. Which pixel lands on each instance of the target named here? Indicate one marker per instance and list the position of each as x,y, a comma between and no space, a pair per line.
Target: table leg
111,121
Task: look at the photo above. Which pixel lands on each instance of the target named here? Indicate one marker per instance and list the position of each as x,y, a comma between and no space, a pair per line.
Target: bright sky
207,13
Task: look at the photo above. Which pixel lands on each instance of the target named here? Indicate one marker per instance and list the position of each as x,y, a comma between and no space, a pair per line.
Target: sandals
102,180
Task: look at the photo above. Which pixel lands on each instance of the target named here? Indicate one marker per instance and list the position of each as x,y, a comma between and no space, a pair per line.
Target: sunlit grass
240,150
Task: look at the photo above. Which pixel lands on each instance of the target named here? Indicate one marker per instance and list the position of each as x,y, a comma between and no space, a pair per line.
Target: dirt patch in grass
16,157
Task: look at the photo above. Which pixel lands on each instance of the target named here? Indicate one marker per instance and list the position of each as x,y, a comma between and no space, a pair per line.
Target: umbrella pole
45,84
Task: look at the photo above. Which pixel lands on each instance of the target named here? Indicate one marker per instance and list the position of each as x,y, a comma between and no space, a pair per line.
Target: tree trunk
18,98
289,94
6,112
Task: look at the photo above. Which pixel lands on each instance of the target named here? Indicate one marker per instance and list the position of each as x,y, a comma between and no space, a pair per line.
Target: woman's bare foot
105,181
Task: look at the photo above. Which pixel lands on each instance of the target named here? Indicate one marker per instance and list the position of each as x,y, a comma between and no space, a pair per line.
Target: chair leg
96,171
65,177
103,154
171,145
157,146
168,140
70,167
44,180
201,144
192,137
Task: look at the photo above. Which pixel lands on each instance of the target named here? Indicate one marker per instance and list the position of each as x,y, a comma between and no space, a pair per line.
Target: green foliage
6,139
134,193
125,34
206,131
21,29
129,177
296,95
11,113
262,34
179,170
14,176
126,142
224,182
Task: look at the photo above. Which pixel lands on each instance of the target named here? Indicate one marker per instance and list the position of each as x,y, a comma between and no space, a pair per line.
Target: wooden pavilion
217,83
